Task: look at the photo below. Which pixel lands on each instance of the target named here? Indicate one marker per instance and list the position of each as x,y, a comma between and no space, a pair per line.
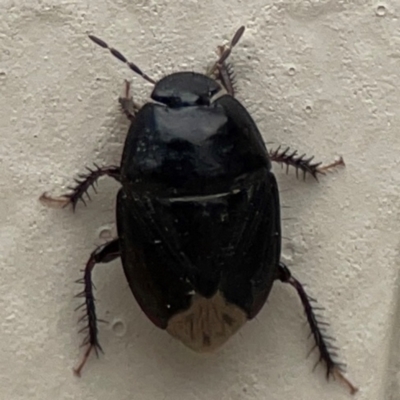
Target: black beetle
198,214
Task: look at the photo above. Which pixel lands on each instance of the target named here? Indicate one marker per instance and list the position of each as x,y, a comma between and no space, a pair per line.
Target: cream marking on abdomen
207,324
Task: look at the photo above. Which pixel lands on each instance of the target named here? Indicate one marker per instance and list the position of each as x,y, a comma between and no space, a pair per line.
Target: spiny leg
82,184
129,107
301,163
220,69
103,254
226,76
327,352
227,50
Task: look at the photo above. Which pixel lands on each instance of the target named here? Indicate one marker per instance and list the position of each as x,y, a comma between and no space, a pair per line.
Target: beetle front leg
225,74
326,350
103,254
220,69
128,106
301,163
82,184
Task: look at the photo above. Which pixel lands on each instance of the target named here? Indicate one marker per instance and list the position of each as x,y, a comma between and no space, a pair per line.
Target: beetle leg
129,107
223,71
103,254
300,163
327,352
226,76
225,51
82,184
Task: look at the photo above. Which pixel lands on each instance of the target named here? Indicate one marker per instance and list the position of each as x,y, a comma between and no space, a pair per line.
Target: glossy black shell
199,206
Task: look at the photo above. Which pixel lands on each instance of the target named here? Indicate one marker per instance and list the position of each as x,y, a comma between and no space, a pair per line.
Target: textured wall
320,76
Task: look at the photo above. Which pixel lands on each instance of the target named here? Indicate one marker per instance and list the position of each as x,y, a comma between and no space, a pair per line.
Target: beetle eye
203,100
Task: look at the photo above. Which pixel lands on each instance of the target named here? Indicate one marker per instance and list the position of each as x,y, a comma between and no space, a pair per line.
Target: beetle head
183,89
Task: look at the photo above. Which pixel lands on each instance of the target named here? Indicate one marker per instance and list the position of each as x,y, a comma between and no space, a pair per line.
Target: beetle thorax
207,324
183,89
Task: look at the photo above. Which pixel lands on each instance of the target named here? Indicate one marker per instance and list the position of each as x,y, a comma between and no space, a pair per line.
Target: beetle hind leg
103,254
291,158
327,351
81,187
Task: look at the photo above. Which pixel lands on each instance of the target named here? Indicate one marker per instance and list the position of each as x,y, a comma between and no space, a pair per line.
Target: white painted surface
320,76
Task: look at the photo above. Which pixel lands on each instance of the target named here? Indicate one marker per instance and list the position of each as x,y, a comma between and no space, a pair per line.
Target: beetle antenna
122,58
227,50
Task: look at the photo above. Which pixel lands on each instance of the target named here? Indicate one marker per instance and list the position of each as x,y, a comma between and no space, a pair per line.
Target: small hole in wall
380,11
105,234
119,328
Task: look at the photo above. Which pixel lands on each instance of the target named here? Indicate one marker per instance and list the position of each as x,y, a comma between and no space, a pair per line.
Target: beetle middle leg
327,351
103,254
81,187
290,158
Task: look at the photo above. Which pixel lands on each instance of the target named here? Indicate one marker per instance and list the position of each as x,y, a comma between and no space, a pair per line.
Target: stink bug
198,212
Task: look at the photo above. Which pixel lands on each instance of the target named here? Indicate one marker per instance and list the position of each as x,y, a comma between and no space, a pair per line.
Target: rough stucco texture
320,76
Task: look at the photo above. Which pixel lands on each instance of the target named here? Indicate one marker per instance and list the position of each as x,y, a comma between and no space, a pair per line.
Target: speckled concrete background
320,76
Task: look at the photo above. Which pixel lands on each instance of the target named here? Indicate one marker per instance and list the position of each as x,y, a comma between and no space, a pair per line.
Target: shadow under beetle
198,214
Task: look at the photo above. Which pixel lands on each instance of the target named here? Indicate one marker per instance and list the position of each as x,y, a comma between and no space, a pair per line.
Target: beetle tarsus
323,342
103,254
338,374
301,163
128,106
78,369
331,166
